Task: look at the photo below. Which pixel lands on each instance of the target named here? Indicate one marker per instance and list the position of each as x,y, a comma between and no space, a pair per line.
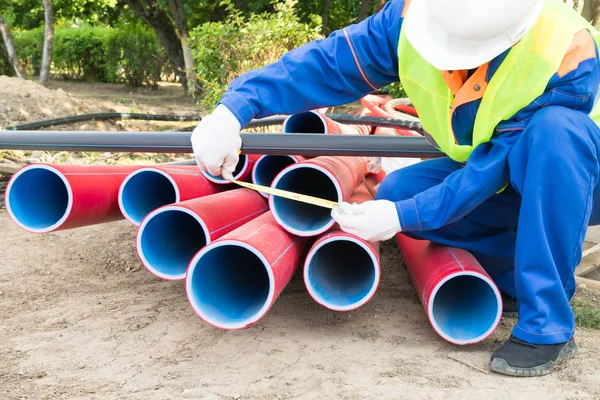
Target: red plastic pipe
233,282
269,166
375,106
462,302
172,235
331,178
149,188
315,122
42,198
342,271
243,170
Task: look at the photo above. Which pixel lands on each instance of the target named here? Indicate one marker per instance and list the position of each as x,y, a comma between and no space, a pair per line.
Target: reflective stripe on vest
521,78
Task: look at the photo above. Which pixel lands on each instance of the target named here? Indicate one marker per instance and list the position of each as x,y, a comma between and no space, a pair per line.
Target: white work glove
373,221
216,142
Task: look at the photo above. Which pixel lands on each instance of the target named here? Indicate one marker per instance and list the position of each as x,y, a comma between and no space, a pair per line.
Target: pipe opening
240,168
229,286
306,122
145,191
267,168
301,218
39,199
465,308
342,274
169,239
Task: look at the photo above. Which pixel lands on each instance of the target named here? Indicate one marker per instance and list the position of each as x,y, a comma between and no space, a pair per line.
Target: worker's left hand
373,221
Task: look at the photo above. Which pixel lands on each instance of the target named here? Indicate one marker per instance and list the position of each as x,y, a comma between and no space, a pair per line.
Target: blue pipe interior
465,307
170,240
145,192
38,198
230,284
306,122
238,168
301,216
269,167
341,273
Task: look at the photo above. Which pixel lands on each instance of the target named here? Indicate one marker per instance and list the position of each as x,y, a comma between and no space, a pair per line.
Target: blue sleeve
339,69
487,170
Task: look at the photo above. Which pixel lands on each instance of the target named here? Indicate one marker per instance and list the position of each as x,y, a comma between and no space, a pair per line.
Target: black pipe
377,121
257,123
309,145
100,117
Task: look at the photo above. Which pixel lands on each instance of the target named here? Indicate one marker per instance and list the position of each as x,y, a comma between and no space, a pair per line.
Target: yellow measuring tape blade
315,201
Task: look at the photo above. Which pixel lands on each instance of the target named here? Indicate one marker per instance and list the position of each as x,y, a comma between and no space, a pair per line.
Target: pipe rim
483,336
275,213
321,117
122,207
68,209
221,181
193,300
376,266
140,233
257,164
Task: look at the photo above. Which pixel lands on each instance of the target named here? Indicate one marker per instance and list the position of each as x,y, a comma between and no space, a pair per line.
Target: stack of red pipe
237,250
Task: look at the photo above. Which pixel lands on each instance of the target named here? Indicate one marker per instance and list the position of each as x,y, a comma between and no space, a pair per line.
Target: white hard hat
464,34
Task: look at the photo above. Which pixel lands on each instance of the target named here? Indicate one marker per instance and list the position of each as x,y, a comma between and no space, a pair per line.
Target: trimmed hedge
126,54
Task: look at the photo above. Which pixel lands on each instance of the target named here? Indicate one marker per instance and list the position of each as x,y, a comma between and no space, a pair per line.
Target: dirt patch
81,318
167,98
24,101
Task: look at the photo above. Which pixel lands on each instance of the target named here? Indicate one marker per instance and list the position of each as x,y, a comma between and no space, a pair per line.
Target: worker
507,91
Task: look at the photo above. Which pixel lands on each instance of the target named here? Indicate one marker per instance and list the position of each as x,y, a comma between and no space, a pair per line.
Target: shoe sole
501,366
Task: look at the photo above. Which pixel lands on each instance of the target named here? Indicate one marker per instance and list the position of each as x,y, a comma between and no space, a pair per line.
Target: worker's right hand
216,142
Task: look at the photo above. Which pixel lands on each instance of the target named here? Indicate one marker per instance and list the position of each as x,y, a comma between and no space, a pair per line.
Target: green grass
586,314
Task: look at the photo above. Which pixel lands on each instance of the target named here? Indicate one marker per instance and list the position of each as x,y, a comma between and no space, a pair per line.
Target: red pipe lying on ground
233,282
42,198
268,167
331,178
243,170
315,122
149,188
342,271
460,299
172,235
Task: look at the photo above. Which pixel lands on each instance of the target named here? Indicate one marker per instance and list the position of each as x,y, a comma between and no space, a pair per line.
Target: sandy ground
81,319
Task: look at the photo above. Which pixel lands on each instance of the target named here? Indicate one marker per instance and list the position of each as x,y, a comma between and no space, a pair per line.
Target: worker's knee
399,185
558,130
409,181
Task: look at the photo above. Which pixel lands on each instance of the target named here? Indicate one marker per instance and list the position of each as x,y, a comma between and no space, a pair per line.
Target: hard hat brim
453,54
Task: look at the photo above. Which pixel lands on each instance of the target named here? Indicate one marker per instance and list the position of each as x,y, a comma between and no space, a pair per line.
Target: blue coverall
528,237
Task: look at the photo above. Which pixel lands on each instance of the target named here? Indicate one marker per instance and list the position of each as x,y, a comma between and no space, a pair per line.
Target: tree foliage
225,50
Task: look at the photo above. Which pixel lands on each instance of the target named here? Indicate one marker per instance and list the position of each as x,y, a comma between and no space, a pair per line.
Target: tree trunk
595,6
178,12
365,7
48,42
10,49
325,17
154,16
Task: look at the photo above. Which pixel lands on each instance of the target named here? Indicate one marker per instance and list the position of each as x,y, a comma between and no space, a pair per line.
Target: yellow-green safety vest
521,78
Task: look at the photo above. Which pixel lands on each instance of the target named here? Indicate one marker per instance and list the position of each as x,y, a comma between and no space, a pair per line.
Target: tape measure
315,201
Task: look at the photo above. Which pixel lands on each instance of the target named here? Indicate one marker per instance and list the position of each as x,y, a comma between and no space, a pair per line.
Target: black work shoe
519,358
509,306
